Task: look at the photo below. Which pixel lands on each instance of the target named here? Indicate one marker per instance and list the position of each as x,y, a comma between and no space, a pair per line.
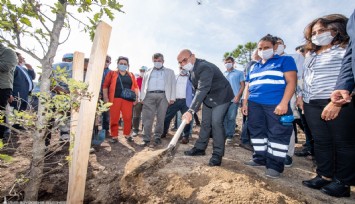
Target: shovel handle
177,134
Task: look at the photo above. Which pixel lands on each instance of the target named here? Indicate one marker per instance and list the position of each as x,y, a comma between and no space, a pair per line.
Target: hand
340,97
281,109
171,102
11,99
330,112
105,99
245,109
299,103
236,99
187,116
28,66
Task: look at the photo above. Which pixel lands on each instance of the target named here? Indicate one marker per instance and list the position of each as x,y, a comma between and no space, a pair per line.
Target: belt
156,91
180,98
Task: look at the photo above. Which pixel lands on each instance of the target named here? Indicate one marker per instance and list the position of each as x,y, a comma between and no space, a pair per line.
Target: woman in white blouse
332,127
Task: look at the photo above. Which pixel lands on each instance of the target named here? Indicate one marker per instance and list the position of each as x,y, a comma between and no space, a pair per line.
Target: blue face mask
122,67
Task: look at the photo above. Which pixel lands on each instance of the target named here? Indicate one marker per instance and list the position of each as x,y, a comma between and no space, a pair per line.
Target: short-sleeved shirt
267,82
126,82
234,77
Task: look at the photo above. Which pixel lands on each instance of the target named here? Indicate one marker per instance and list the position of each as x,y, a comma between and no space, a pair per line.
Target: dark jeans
106,120
137,112
245,135
178,105
4,97
270,139
309,138
212,121
334,140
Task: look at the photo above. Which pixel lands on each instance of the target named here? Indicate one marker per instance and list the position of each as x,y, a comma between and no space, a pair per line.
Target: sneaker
144,144
157,141
288,161
113,140
253,163
229,141
134,134
271,173
65,137
304,152
92,150
129,139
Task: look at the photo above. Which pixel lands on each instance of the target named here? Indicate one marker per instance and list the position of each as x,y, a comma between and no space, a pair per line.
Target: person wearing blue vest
270,86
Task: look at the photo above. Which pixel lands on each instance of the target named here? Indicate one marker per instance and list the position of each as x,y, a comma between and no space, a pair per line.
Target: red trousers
121,106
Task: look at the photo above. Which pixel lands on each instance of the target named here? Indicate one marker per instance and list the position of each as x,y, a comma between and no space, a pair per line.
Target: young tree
242,53
40,24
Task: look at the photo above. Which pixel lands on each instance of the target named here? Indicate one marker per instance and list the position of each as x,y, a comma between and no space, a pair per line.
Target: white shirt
181,83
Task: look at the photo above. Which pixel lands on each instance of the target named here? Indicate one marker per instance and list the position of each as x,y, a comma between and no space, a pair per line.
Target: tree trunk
38,150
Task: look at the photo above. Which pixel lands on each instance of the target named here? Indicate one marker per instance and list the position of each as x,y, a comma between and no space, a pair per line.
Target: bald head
185,56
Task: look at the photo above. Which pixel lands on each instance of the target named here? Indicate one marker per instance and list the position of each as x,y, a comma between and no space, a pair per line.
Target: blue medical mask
122,67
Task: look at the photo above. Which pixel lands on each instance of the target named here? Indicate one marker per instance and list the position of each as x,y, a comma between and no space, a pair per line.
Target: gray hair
158,55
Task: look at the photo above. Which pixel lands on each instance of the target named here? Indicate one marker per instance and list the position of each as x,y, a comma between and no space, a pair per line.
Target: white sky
209,30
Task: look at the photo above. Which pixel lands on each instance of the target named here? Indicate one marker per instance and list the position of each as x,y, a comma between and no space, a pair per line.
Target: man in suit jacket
346,80
157,92
23,84
214,91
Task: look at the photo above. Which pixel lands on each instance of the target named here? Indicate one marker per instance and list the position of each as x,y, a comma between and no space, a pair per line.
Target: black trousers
212,122
4,97
334,140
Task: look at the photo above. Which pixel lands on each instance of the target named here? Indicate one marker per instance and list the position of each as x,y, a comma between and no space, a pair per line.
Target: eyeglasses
184,60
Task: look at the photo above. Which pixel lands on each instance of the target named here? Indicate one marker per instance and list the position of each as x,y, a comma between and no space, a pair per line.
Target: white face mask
141,74
266,54
322,39
188,66
228,65
280,49
158,65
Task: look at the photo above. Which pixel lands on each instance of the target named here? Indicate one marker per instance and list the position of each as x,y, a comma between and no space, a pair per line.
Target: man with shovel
214,91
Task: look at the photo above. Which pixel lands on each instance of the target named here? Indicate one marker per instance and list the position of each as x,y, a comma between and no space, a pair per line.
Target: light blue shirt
234,77
156,80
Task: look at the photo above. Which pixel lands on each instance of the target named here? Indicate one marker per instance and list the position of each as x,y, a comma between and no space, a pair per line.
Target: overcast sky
209,29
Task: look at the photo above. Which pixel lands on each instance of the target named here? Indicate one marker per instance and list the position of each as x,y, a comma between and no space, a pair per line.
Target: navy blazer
210,85
346,78
21,84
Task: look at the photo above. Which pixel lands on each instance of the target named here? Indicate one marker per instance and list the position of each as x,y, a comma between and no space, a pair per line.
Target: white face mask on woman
322,39
266,54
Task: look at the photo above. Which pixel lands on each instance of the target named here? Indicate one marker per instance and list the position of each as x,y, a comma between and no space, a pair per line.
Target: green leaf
5,157
103,2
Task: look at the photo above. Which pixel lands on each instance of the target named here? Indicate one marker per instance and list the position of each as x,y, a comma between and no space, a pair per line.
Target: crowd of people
311,88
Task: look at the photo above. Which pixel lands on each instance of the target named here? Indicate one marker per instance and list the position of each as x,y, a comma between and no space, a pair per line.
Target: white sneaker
229,141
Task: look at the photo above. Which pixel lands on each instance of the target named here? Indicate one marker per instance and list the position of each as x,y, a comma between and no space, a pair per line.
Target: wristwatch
191,111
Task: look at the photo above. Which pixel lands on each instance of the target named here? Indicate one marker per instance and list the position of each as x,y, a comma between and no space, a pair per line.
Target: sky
208,30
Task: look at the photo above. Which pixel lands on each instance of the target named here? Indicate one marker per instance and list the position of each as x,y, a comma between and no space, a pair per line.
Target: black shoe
215,161
129,139
195,152
184,140
303,153
336,189
144,144
316,183
163,135
157,141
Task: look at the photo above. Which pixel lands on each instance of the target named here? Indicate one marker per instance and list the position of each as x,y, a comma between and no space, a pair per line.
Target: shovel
146,159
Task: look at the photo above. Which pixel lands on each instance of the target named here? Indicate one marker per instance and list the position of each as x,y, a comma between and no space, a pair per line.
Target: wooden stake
87,111
78,75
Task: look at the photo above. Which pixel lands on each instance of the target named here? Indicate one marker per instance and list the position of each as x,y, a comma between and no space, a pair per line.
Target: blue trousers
230,119
270,139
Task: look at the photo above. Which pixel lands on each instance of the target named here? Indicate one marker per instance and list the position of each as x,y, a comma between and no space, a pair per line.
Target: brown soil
180,179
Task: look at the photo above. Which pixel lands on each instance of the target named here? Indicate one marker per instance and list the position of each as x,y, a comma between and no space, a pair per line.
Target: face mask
266,54
280,49
228,65
122,67
322,39
158,65
141,74
183,72
188,66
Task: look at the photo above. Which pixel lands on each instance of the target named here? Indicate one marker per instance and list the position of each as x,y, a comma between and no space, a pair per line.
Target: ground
182,180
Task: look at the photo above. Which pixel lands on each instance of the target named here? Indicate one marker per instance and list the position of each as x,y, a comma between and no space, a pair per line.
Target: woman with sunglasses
332,126
113,85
